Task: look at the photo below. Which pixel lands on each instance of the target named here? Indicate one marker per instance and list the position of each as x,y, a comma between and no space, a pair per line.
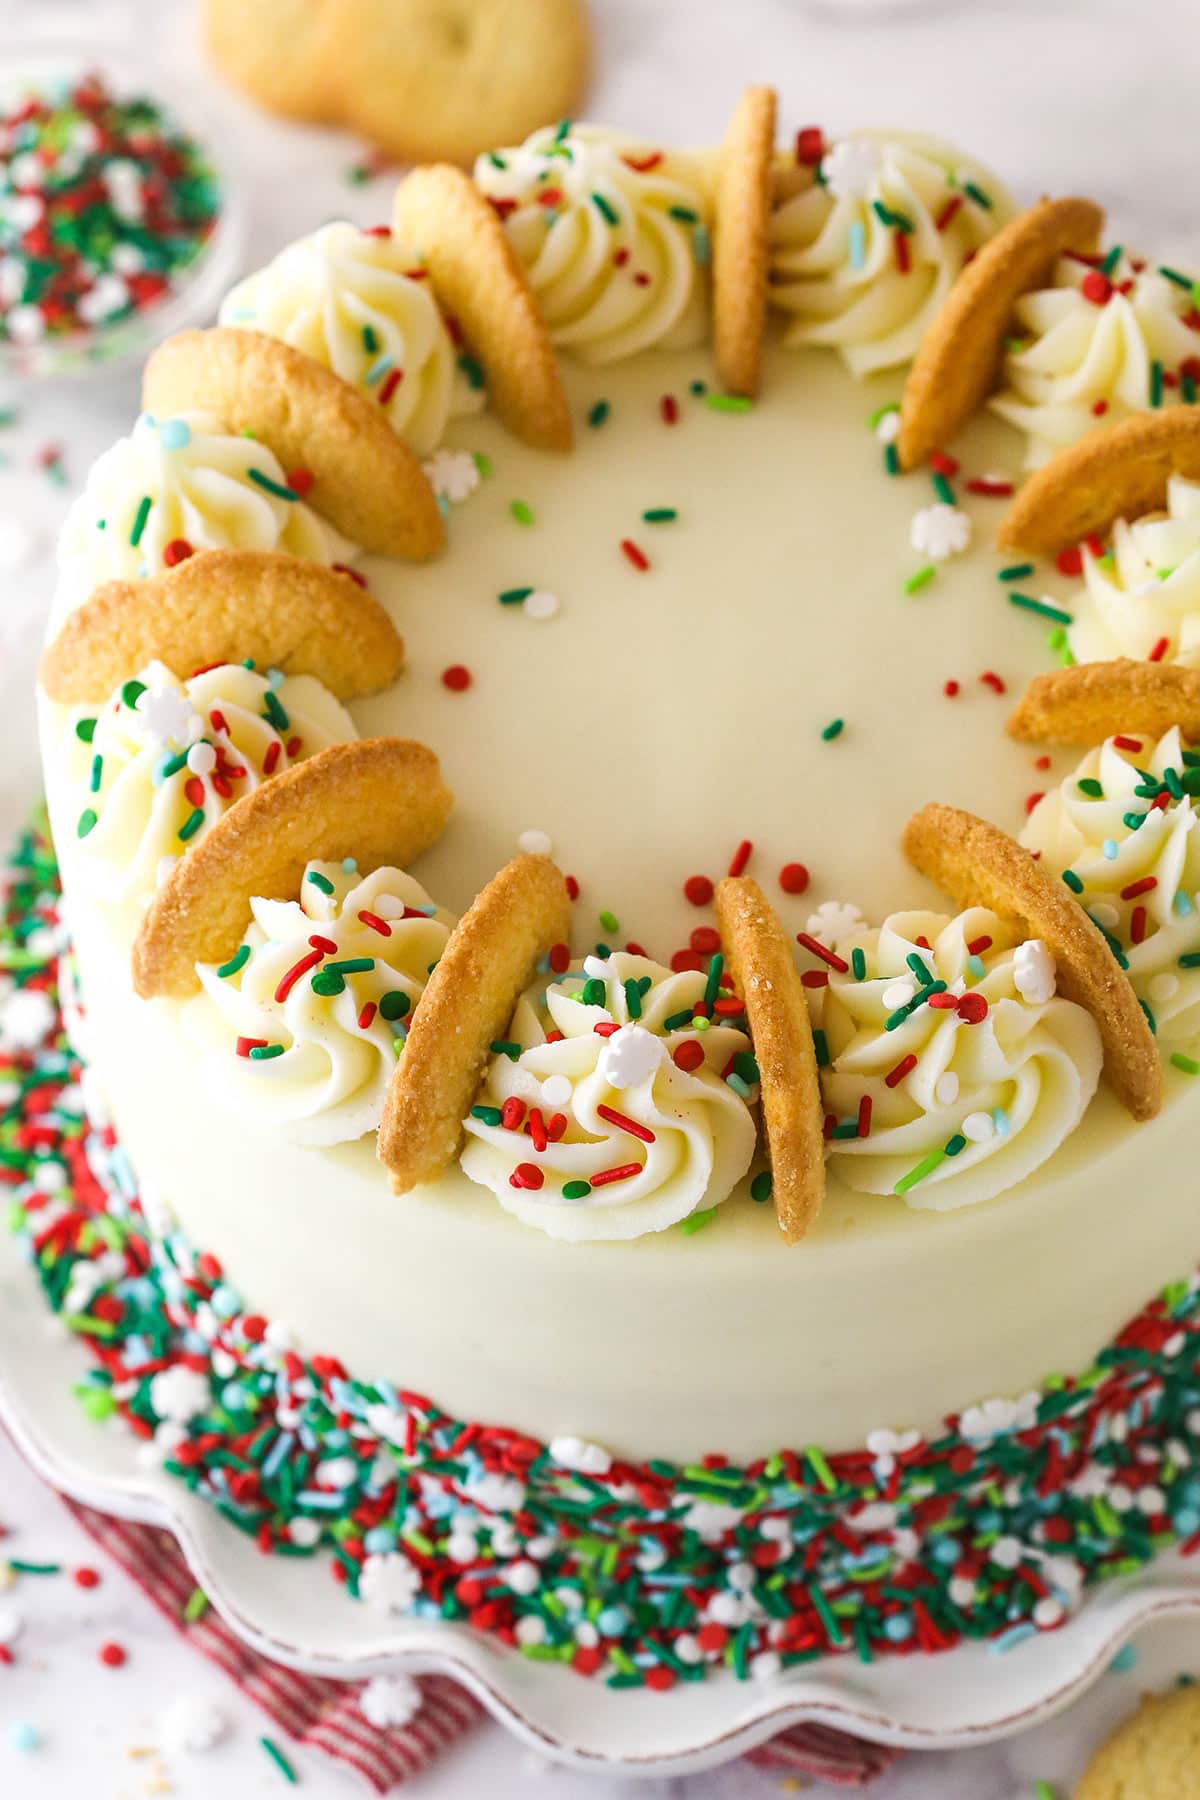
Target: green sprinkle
473,371
195,1607
888,215
321,882
351,965
514,596
1190,960
716,968
633,998
686,215
85,730
272,487
496,160
237,961
858,963
891,459
395,1004
821,1469
1073,881
678,1021
88,820
1188,1064
96,774
192,823
609,920
698,1221
370,338
576,1190
977,194
1108,266
274,712
522,512
131,693
33,1568
598,413
1091,787
327,985
139,520
505,1047
606,209
762,1185
920,578
728,403
821,1049
1014,572
834,729
1043,1791
1043,608
1156,383
483,463
1183,281
265,1052
488,1115
943,490
956,1144
280,1760
925,1167
660,515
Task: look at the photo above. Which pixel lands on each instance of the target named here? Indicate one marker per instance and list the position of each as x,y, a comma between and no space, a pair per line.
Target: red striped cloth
326,1716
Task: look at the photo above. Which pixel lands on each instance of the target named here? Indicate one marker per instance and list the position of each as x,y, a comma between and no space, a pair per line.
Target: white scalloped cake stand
292,1612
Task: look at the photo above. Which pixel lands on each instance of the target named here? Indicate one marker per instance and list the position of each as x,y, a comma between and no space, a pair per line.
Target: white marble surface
1059,94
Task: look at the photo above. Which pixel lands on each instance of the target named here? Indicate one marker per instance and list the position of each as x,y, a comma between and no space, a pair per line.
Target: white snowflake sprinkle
390,1701
389,1583
535,842
833,921
1033,972
630,1056
939,531
452,474
580,1455
850,167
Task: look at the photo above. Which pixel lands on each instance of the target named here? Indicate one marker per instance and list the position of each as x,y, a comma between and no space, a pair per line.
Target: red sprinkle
941,464
1145,886
904,1067
572,887
113,1655
705,940
632,554
989,678
537,1129
1099,408
864,1116
366,1017
560,958
1127,743
374,923
623,1123
389,384
294,973
1070,562
814,978
793,878
87,1578
816,948
948,212
1096,287
989,489
1160,650
668,406
245,1045
526,1175
1032,800
973,1008
688,1055
1137,925
740,857
950,689
810,148
177,551
622,1173
978,945
359,579
457,678
698,889
512,1113
901,251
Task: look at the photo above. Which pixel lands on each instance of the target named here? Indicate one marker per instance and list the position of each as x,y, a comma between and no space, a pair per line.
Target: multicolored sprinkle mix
645,1574
103,204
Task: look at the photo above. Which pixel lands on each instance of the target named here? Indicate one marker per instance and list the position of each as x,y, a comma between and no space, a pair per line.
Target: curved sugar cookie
481,284
381,800
741,253
1118,472
358,473
422,81
467,1004
979,865
280,612
1154,1755
956,365
765,975
1090,701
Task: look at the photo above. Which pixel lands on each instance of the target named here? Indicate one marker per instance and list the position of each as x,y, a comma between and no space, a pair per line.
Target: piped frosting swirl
1141,597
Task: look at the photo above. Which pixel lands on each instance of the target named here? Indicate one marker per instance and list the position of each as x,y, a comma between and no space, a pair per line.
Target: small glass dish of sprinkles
116,225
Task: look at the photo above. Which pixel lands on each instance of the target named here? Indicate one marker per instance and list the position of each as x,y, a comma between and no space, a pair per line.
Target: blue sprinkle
612,1621
225,1302
898,1628
1000,1120
274,679
1109,847
379,1541
1182,904
858,245
1008,1640
175,434
378,369
977,966
349,865
24,1736
701,245
1125,1660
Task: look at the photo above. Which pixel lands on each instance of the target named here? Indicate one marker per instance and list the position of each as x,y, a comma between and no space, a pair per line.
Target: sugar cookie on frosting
466,1009
421,82
336,447
980,865
1088,701
959,356
481,282
381,800
741,231
275,611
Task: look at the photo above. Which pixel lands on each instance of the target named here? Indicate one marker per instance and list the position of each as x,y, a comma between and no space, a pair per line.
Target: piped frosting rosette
620,1107
176,486
1101,342
165,758
951,1067
1121,828
1141,597
305,1022
865,253
361,304
613,236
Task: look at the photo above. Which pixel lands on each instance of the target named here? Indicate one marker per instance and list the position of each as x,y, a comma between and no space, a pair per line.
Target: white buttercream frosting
613,235
186,481
1084,350
863,255
164,758
694,1135
360,303
1137,863
1142,596
331,1032
1004,1067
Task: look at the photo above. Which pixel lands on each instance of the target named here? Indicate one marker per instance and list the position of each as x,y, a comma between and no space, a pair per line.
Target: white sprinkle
1164,986
556,1090
940,531
897,994
946,1091
202,759
978,1126
387,906
887,427
535,842
541,604
193,1724
1034,972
